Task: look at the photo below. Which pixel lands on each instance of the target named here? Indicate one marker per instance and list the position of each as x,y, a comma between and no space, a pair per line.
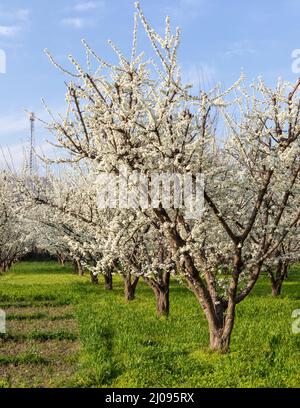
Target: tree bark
94,279
161,289
4,267
219,342
78,269
61,259
219,312
276,288
130,286
221,324
108,281
162,302
278,277
220,320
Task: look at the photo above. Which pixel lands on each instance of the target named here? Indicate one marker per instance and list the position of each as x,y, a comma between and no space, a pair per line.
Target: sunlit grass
126,345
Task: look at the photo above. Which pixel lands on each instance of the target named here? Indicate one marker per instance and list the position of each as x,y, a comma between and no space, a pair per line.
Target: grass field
64,332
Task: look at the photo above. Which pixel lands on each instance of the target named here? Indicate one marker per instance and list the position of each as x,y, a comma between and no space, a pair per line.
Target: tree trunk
162,302
161,289
61,259
220,328
278,277
94,279
108,281
3,267
219,312
219,342
129,287
276,288
78,269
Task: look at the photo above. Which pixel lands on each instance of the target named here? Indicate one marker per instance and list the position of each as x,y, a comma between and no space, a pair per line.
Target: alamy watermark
296,321
2,322
296,61
157,190
2,62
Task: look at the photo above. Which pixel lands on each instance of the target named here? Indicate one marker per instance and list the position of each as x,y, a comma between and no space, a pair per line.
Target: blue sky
219,39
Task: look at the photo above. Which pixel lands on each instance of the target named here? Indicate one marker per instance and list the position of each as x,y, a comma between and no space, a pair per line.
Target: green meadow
62,331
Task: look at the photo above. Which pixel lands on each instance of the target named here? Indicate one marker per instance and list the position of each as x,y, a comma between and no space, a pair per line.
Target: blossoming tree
139,114
16,237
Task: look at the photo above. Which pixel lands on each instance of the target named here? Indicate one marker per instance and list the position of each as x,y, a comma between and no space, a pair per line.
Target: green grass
29,358
126,345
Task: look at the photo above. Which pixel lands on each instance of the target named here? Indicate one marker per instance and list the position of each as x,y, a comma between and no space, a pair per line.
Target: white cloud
13,22
187,9
76,22
238,49
88,5
9,31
